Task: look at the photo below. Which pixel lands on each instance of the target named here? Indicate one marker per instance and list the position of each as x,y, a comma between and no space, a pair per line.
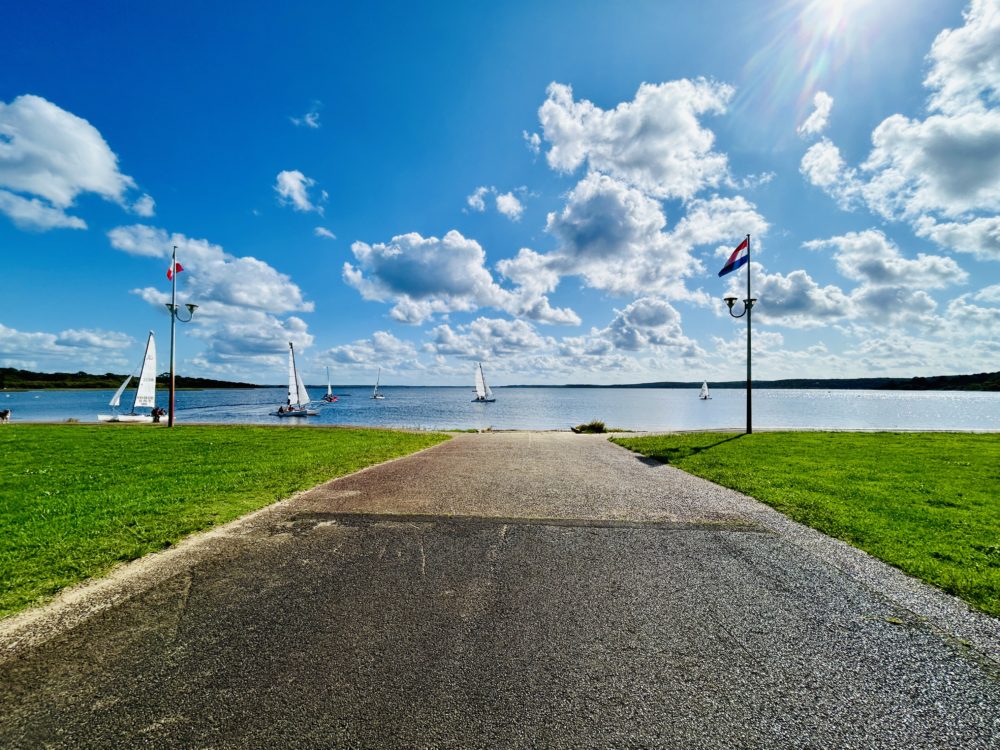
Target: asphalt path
505,590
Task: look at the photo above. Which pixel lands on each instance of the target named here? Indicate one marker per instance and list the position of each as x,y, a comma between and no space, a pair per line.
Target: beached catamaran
375,393
483,393
145,394
298,396
703,394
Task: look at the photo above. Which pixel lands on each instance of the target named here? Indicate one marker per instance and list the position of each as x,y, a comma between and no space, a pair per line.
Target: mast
480,383
489,393
293,394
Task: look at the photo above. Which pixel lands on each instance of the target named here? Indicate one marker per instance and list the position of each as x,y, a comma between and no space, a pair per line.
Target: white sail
377,378
117,398
302,393
489,391
293,386
145,394
329,390
480,382
297,393
704,390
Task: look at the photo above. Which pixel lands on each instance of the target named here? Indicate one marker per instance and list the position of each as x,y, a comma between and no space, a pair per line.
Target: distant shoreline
988,382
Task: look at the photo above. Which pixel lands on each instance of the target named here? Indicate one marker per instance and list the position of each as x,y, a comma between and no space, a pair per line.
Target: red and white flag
177,268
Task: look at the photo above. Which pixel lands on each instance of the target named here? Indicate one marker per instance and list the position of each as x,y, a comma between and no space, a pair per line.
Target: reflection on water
556,408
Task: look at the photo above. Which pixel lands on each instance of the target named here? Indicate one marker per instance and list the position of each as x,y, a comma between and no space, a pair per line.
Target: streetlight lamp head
191,308
730,301
169,307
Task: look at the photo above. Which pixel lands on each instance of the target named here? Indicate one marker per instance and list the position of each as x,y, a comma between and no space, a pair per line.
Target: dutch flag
739,257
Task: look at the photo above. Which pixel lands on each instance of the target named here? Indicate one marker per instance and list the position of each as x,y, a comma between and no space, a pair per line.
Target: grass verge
928,503
75,500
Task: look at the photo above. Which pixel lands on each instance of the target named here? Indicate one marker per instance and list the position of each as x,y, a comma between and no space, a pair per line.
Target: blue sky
549,188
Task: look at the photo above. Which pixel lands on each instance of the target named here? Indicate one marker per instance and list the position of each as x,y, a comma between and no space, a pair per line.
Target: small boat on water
329,397
375,393
145,393
483,393
703,394
298,396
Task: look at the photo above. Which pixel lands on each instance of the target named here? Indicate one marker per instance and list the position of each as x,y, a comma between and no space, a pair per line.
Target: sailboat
329,397
375,393
483,393
703,394
145,394
298,396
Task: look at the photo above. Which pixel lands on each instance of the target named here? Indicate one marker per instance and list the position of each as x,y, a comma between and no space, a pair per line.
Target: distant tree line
14,379
984,381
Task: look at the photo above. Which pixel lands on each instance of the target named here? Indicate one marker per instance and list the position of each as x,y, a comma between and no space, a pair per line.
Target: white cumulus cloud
69,350
424,277
873,258
979,237
509,205
485,339
293,188
48,157
240,299
816,122
477,200
655,142
942,170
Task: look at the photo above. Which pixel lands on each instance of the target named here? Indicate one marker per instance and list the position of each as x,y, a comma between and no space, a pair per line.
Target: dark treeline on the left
14,379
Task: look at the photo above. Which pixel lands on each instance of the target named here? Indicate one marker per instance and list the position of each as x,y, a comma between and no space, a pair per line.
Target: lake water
555,408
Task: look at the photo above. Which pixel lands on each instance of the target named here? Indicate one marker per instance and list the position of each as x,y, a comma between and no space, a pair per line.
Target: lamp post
747,306
175,315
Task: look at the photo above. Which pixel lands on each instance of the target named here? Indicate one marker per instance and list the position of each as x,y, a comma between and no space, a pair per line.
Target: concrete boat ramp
505,590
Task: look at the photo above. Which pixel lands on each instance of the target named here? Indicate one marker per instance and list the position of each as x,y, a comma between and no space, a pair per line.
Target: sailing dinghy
483,393
703,394
298,396
375,393
145,394
329,397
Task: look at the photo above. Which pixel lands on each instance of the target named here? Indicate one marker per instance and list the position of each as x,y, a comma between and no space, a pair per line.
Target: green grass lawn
928,503
76,499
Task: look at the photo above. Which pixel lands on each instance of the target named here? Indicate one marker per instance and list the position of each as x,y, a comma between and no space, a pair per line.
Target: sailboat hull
124,418
295,413
484,400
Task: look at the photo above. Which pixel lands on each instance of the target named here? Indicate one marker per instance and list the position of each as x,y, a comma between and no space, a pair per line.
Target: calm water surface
555,408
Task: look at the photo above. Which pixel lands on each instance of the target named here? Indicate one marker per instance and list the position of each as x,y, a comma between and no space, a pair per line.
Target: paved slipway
505,590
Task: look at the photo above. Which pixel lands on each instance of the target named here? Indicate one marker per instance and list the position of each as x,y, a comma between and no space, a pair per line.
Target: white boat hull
483,400
124,418
295,413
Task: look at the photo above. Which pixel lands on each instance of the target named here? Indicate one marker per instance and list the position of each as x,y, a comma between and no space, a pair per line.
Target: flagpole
174,317
173,330
732,265
749,379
